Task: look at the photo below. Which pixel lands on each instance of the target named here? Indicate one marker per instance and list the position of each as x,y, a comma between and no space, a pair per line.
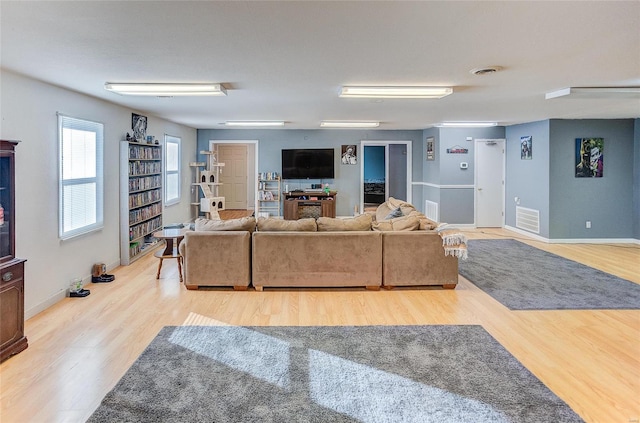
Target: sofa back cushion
358,223
404,223
266,224
241,224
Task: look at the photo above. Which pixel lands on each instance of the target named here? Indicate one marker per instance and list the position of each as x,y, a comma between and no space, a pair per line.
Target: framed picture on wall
431,152
349,155
139,126
525,148
589,157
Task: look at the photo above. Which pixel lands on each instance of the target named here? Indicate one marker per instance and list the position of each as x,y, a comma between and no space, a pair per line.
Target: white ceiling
288,60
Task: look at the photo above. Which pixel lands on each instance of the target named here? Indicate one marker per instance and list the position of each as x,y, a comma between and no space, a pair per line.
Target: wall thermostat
464,165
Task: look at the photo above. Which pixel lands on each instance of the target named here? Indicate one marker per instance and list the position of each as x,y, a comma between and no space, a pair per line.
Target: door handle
479,189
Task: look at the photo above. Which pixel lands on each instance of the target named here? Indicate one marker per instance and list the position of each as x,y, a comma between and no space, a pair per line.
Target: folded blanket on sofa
453,241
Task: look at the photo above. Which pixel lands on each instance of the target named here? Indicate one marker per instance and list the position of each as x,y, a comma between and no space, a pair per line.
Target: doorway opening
240,173
385,171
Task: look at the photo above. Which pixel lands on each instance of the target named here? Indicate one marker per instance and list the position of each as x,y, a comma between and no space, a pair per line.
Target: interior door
234,175
489,193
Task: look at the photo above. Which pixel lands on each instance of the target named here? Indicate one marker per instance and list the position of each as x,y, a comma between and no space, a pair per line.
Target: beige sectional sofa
371,250
317,259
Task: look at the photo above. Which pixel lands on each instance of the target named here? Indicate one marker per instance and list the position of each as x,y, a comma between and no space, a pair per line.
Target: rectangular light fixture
253,123
166,89
597,92
466,124
348,124
395,92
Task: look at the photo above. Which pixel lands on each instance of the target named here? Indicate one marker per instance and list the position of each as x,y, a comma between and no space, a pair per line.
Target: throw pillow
241,224
358,223
397,212
266,224
404,223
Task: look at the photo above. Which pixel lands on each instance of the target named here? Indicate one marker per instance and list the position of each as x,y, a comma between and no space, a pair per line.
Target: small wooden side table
170,251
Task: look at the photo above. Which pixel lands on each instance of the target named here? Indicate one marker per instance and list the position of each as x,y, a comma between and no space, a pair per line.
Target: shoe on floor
79,293
102,278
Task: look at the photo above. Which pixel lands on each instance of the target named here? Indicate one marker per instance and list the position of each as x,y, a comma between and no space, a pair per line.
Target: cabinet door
329,208
11,305
291,209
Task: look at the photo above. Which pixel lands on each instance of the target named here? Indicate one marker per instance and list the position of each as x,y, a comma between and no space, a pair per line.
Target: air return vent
528,219
431,210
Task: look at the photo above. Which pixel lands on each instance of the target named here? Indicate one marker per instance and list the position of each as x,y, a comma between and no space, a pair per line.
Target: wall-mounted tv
308,163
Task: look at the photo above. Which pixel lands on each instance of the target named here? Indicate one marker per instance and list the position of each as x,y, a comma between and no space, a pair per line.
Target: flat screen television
308,163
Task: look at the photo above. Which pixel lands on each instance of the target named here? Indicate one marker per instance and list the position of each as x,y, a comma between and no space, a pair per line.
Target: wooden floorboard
80,347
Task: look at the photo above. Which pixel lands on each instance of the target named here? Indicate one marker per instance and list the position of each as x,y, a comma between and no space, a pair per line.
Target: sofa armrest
217,258
416,258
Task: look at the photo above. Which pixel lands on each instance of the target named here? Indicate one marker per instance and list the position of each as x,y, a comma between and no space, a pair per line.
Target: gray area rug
522,277
329,374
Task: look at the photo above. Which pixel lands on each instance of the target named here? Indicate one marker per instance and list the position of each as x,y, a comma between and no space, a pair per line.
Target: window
80,176
171,170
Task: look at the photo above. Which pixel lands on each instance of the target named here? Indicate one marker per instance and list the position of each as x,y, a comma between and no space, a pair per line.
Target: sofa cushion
241,224
404,223
358,223
266,224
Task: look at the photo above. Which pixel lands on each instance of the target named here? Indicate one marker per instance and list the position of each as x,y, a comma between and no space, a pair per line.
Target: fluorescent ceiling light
466,124
166,89
254,123
395,92
348,124
599,92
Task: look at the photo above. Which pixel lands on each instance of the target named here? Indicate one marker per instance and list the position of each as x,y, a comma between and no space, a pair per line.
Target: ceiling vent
486,70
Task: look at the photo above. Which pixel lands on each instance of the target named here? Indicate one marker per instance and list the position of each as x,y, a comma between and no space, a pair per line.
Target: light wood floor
79,348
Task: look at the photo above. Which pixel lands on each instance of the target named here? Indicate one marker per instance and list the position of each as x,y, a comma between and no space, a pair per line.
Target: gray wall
608,201
347,177
528,179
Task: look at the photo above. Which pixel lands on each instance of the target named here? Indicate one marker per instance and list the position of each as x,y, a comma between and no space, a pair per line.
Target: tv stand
298,205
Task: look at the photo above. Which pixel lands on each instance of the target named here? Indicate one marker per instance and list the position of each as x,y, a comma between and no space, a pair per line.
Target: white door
489,194
234,175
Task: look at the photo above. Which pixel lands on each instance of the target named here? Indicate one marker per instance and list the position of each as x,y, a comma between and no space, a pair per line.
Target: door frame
503,141
409,163
254,171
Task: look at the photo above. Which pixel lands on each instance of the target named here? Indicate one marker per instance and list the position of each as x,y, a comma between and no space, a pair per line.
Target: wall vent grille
431,210
528,219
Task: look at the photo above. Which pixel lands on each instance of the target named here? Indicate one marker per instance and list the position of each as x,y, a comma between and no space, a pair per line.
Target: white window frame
93,213
170,139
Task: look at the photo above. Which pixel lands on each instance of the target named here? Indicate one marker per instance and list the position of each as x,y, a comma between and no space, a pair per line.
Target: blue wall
608,201
374,166
528,179
347,180
547,182
454,187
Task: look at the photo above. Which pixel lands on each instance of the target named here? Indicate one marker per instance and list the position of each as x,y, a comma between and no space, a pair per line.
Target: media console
302,204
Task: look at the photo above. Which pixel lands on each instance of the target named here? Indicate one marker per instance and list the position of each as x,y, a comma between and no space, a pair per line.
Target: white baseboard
58,296
575,240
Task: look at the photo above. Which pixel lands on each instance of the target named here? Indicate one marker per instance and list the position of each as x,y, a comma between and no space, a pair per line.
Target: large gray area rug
329,374
523,277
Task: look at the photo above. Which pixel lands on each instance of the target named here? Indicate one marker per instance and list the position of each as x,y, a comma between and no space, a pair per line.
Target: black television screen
308,163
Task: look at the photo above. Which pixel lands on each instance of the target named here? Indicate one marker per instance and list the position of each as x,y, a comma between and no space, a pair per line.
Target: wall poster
589,157
431,153
525,148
